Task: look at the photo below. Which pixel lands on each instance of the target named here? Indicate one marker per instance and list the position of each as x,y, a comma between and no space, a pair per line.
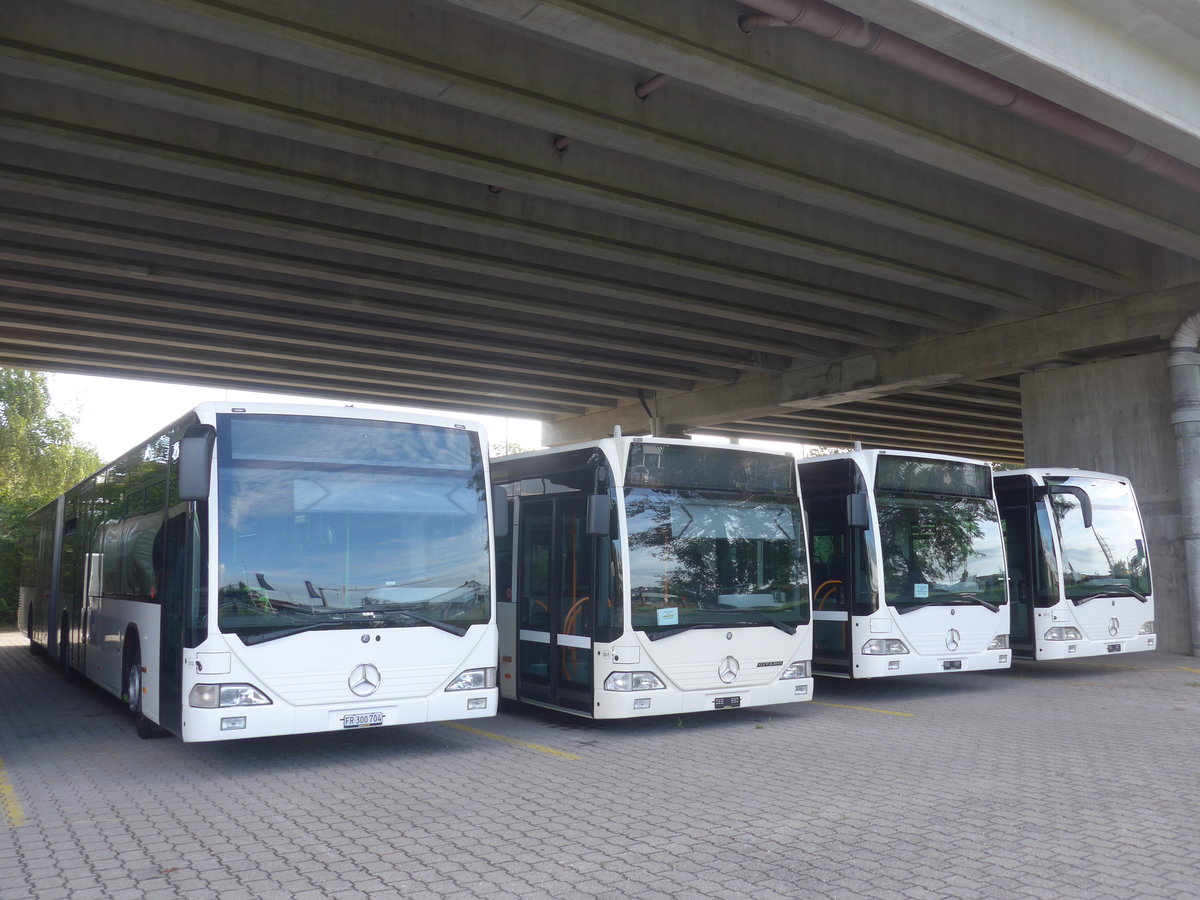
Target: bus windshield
1108,558
701,559
940,550
329,523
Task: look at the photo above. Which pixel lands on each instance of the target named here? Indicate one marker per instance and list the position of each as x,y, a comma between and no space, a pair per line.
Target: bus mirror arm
597,515
1085,502
858,514
195,461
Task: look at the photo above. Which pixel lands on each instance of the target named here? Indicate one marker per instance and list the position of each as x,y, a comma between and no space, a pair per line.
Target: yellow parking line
1186,669
508,740
886,712
9,802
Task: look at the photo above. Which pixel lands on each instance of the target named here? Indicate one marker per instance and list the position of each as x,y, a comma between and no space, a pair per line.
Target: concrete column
1183,366
1116,416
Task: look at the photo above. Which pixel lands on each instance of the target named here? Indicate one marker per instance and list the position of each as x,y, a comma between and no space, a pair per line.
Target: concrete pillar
1115,416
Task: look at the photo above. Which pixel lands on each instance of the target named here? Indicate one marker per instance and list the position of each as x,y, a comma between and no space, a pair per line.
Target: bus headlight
218,696
801,669
473,680
884,647
1147,628
999,642
1064,633
633,681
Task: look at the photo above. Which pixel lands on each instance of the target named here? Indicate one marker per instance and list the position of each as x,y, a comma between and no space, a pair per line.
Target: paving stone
1067,780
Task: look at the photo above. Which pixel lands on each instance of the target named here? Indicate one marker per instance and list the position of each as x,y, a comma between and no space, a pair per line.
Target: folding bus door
554,603
831,586
1018,515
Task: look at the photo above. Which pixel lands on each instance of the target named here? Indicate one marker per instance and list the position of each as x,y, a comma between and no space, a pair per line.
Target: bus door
1019,516
831,586
556,562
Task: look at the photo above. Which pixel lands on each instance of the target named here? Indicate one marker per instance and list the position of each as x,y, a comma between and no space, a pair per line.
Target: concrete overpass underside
604,213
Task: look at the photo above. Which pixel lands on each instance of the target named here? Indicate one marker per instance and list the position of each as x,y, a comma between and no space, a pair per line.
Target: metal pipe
843,27
1183,365
650,85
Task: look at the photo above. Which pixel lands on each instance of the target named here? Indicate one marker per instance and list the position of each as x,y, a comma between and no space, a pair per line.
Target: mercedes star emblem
728,669
952,638
364,680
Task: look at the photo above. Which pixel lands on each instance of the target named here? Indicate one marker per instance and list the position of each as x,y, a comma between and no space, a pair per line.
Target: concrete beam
986,353
540,87
1130,66
647,36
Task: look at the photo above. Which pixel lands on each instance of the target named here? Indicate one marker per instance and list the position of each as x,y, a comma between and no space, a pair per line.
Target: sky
116,414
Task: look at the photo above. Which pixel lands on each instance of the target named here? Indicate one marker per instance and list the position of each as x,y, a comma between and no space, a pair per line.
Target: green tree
39,459
500,448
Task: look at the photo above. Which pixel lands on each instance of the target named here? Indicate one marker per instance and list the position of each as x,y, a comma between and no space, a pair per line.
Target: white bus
1078,564
907,564
651,576
267,569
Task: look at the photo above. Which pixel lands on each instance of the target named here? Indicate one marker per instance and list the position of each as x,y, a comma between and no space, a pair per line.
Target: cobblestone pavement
1075,779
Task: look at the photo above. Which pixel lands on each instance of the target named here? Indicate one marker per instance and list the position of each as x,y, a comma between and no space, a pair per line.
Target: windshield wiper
778,623
941,600
986,604
680,629
1112,592
385,611
911,606
264,636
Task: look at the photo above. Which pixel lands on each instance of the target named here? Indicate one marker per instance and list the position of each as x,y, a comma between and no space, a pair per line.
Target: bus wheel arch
64,648
34,647
132,684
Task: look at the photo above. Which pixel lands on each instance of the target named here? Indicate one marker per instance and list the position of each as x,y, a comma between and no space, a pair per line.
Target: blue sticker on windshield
668,616
920,591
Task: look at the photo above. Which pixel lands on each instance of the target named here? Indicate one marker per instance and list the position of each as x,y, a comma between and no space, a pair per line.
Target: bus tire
34,647
133,690
64,651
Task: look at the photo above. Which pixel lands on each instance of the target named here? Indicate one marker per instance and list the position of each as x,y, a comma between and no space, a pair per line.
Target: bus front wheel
133,691
64,651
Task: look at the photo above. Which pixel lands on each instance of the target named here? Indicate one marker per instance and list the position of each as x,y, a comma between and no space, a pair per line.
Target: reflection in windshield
1110,557
700,558
940,550
339,540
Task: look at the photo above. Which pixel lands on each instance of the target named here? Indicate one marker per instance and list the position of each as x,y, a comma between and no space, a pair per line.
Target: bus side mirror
858,515
499,511
1085,502
597,515
195,461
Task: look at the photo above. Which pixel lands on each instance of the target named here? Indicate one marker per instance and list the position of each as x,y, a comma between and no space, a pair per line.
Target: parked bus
907,564
1078,564
649,576
266,569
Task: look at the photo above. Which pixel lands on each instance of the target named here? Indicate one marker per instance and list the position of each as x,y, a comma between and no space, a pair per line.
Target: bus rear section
266,569
650,576
907,564
1078,562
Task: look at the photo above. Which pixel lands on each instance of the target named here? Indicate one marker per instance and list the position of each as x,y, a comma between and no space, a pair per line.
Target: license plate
1114,648
362,720
950,664
727,703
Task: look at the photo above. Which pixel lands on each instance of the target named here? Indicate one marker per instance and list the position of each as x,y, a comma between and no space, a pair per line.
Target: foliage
507,448
39,459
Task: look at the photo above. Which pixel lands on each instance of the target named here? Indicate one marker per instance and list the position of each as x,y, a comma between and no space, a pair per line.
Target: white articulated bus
1078,564
907,564
650,576
266,569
